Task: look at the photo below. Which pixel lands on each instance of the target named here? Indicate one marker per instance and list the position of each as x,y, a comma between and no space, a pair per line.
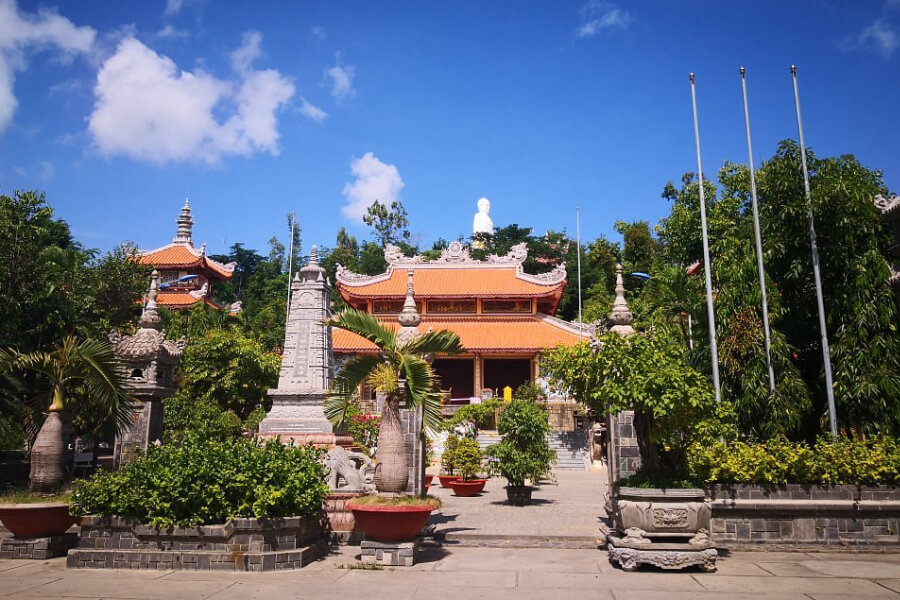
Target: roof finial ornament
621,316
185,225
150,316
409,317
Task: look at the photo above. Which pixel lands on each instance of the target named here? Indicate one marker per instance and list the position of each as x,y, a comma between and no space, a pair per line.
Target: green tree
389,225
401,372
224,378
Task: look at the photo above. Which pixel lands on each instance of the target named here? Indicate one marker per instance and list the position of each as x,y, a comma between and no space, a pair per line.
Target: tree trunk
643,428
47,456
392,470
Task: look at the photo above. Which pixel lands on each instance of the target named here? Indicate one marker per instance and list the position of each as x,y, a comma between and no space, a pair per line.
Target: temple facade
502,315
186,273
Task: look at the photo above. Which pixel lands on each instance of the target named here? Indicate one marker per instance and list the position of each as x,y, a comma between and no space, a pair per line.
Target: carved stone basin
658,512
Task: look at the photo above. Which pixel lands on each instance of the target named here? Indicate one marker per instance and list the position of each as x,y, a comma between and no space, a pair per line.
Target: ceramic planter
468,488
390,523
36,520
446,479
519,495
659,512
428,479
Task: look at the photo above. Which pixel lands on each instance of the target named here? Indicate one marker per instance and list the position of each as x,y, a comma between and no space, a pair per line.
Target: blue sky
120,110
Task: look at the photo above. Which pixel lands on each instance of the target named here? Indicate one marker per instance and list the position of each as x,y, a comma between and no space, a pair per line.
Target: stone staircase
570,448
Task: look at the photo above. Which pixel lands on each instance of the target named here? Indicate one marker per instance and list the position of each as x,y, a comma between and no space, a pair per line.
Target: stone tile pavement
490,573
570,508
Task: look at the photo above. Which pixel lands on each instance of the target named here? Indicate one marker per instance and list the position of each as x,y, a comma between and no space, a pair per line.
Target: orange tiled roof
176,300
186,256
453,283
520,334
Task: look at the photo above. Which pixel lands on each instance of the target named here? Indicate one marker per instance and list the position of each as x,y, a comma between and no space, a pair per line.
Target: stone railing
805,515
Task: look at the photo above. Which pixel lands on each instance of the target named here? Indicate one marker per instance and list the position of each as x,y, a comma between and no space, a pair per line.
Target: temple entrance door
502,372
457,375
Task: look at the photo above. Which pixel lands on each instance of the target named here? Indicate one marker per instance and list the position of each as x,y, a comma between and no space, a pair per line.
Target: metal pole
826,351
290,265
713,348
578,241
759,248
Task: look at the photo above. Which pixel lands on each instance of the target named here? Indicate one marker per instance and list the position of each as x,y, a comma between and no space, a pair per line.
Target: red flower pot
446,479
468,488
428,478
390,523
36,520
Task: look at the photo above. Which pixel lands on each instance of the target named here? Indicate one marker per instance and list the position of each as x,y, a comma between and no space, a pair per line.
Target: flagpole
759,249
290,265
713,348
578,241
826,350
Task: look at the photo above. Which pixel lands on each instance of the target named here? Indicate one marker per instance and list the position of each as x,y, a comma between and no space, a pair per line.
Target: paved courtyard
491,573
569,511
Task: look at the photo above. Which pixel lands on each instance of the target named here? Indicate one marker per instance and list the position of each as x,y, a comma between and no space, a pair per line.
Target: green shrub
778,461
528,391
523,453
480,414
203,481
448,458
468,458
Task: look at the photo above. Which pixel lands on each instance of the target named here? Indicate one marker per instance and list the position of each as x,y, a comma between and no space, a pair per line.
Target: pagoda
502,315
186,273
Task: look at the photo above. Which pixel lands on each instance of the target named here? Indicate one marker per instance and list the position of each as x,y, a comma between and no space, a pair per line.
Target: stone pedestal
38,548
389,554
670,556
299,416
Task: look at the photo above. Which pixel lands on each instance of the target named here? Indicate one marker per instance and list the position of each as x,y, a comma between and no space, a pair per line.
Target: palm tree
78,372
399,370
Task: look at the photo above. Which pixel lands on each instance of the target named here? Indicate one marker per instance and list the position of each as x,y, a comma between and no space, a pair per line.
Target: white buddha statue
482,222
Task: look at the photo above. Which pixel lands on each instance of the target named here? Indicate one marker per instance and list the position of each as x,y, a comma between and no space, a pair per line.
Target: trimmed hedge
202,481
779,461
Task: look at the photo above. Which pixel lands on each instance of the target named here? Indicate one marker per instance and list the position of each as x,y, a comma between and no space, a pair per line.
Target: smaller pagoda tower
147,361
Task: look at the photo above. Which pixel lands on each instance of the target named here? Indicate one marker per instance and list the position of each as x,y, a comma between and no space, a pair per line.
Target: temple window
506,306
451,306
137,374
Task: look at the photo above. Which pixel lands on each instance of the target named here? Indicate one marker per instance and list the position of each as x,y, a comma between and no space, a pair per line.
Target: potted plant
448,461
523,455
468,461
29,515
401,372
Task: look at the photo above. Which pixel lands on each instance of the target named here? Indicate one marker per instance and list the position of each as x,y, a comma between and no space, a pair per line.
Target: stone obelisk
298,411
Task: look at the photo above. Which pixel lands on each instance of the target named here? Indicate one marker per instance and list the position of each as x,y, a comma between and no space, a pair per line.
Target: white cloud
173,7
148,109
20,32
597,16
311,111
881,37
47,171
316,34
170,32
374,180
341,78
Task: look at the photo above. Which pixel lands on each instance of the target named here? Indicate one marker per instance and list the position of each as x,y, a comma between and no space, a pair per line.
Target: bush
523,453
778,461
528,391
448,458
468,459
204,481
482,415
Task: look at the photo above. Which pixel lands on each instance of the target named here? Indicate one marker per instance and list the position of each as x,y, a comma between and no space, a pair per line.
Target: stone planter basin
36,520
662,512
391,523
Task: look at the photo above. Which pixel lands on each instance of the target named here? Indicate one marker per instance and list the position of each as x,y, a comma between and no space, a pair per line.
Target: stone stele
298,411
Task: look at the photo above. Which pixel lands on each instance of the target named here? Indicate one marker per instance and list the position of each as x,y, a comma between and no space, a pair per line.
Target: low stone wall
40,548
239,545
561,415
801,514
